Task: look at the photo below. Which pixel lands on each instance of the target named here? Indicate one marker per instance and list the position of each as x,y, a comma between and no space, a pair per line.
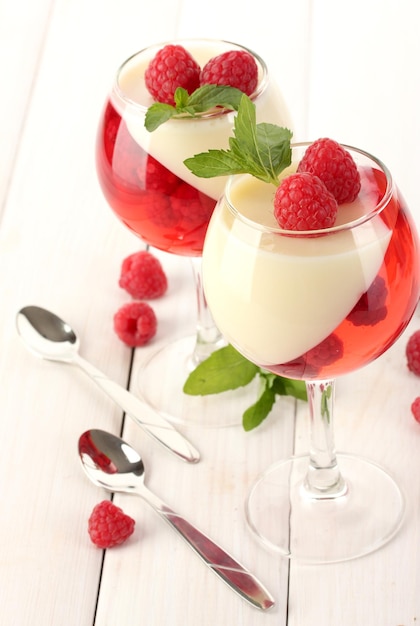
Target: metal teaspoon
113,464
49,337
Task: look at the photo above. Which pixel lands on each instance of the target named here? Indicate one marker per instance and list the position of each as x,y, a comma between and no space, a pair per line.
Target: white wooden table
348,72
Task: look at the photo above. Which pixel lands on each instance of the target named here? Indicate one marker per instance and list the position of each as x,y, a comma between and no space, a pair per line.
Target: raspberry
311,362
302,202
236,68
370,308
412,352
326,352
334,165
142,276
415,409
156,209
135,323
191,205
170,68
108,525
153,176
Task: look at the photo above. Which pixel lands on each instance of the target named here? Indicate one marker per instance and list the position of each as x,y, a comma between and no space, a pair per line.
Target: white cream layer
177,140
275,296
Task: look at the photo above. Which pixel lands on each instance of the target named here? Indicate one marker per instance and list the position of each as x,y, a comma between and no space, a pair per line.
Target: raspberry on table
302,202
142,276
171,67
412,352
135,323
415,409
236,68
335,166
109,526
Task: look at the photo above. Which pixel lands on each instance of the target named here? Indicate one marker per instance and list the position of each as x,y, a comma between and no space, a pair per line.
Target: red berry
135,323
370,308
192,206
108,525
236,68
302,202
415,409
326,352
142,276
412,352
335,166
153,176
311,362
172,67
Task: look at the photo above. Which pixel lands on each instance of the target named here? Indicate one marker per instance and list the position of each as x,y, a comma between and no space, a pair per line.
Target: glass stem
323,479
208,336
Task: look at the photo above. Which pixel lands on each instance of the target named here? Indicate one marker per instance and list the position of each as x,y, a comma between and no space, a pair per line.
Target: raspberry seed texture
335,166
415,409
135,323
412,352
302,202
236,68
109,526
171,67
142,276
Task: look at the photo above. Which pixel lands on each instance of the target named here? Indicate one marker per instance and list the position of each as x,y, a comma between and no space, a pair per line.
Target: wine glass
313,306
146,183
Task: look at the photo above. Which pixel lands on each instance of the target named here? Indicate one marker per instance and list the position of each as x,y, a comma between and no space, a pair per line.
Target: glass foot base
283,517
162,378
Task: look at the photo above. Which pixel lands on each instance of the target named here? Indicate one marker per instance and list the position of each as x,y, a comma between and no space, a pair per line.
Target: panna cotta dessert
293,292
142,172
316,302
177,139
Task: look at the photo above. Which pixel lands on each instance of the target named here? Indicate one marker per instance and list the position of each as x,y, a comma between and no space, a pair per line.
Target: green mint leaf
274,152
201,100
223,370
325,405
158,114
257,413
288,387
181,98
209,96
215,163
227,369
262,150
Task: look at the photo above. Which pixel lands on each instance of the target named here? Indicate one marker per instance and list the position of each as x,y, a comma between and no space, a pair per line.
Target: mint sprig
226,369
262,150
201,100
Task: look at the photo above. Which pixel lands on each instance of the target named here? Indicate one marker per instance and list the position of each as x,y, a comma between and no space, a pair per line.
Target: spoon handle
148,419
223,565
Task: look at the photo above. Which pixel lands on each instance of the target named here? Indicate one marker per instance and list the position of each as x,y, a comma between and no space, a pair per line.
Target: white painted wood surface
348,71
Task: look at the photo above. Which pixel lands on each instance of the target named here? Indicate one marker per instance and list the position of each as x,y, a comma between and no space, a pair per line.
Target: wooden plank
23,25
364,89
159,577
373,420
61,247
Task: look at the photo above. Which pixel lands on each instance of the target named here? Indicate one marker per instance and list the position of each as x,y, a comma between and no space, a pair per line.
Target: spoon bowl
48,336
110,462
114,465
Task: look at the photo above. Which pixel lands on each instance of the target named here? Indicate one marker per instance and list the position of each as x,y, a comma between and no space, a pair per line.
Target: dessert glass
146,183
314,306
